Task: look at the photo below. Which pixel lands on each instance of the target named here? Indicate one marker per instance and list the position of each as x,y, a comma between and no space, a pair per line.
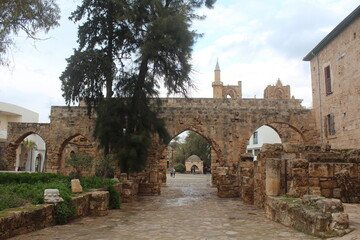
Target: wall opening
31,154
260,136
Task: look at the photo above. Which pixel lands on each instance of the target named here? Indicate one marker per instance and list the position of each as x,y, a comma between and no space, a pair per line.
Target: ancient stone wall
226,123
297,170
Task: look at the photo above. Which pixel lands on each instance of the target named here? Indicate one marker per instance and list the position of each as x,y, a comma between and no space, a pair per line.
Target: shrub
114,198
180,168
64,210
80,162
105,166
11,178
22,188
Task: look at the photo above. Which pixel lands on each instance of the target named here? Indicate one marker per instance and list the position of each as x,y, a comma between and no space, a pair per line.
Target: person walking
173,172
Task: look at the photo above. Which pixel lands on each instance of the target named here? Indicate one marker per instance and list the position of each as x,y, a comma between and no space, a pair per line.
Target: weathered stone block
299,163
330,205
327,192
81,203
321,170
340,221
337,193
273,176
271,148
99,203
314,182
293,147
76,186
350,167
330,183
315,191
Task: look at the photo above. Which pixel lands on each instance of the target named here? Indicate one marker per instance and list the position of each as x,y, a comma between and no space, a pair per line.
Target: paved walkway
187,209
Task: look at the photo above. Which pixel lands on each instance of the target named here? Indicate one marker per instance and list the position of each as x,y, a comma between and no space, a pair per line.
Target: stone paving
187,209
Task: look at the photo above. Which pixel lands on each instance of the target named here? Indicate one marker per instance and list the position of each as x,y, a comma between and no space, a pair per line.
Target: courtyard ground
188,208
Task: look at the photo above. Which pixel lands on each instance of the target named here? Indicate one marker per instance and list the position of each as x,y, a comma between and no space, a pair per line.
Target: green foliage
80,162
130,48
64,211
95,182
114,198
105,166
17,194
30,178
29,17
127,129
194,144
180,168
18,189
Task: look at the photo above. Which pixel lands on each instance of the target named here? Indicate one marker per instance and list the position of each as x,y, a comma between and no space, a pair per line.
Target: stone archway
16,134
73,145
158,153
226,123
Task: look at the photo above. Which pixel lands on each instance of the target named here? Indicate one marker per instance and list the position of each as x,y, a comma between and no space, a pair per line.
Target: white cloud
256,42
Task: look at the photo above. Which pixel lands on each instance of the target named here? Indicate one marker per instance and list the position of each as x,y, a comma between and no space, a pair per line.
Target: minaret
217,84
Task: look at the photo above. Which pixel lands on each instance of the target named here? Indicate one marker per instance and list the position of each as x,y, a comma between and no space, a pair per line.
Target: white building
33,159
262,135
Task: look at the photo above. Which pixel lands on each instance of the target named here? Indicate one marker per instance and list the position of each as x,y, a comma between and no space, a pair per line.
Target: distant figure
193,169
173,172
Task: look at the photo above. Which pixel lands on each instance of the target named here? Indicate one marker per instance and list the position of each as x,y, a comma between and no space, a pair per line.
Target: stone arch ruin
226,123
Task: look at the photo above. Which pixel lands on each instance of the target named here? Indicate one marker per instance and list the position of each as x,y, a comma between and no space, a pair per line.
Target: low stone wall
314,215
24,220
33,218
298,170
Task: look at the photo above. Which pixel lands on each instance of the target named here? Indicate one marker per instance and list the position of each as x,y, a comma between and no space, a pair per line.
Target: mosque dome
193,158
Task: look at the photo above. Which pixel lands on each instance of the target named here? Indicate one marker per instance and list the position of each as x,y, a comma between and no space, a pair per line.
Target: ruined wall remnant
302,170
226,124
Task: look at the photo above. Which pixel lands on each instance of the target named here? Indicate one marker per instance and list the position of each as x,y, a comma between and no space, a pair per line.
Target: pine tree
130,48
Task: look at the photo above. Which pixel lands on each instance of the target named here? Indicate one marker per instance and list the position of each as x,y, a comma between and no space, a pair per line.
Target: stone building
194,161
278,91
335,76
221,91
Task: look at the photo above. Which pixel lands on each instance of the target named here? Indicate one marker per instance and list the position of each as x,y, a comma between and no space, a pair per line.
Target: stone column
273,170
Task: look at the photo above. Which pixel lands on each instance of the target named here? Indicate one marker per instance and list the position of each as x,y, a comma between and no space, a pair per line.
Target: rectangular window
330,124
255,138
328,84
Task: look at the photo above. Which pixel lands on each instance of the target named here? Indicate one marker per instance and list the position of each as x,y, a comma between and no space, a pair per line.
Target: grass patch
23,189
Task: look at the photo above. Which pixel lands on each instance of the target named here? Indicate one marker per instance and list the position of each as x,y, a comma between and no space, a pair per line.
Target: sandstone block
330,183
315,191
337,193
293,147
314,182
272,147
321,170
340,221
299,163
76,186
330,205
99,203
327,192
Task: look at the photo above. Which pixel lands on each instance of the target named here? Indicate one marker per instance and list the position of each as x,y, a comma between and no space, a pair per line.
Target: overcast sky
256,42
